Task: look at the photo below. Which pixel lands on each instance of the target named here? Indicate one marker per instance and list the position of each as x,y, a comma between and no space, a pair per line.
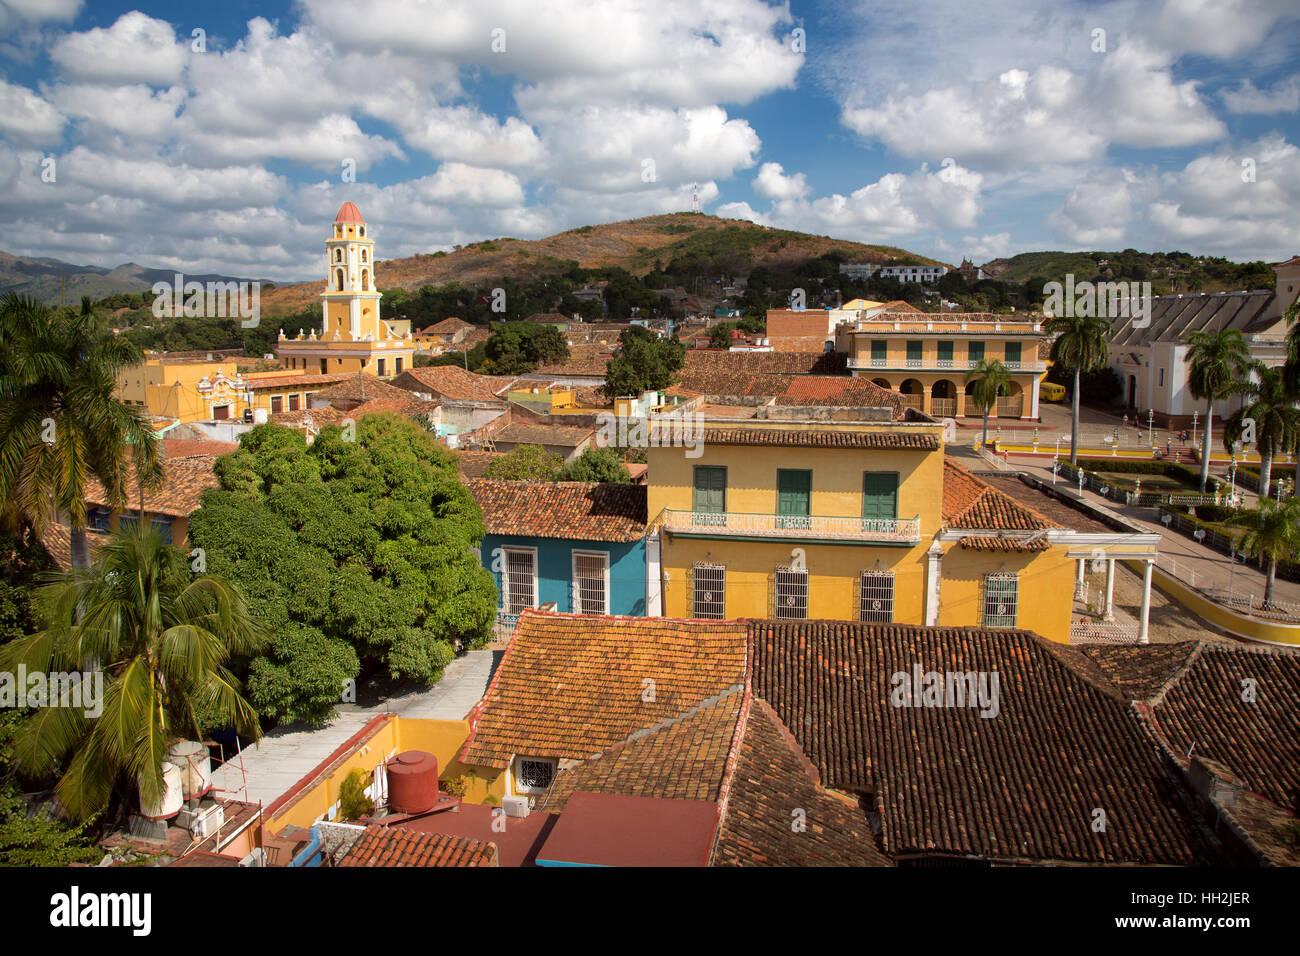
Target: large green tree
355,554
991,379
525,463
1269,416
644,362
1215,360
519,347
597,464
1082,345
61,423
163,638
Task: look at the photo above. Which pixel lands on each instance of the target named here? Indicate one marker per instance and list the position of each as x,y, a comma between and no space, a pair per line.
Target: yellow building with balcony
856,521
926,357
353,338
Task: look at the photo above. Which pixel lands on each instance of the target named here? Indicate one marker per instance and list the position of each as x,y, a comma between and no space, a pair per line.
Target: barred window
533,775
520,585
1001,591
791,594
876,602
709,591
590,572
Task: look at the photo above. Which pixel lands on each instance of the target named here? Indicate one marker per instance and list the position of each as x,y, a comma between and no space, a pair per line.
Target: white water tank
191,758
259,416
169,804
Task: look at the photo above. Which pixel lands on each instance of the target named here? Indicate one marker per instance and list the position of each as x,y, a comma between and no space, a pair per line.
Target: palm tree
60,422
1291,368
1215,360
162,639
992,378
1270,405
1082,344
1272,532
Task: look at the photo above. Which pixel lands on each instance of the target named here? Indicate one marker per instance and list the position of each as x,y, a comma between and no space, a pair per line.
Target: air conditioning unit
207,822
515,806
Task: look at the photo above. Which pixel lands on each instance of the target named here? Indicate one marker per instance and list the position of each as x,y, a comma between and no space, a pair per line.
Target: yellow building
926,357
353,338
859,521
207,386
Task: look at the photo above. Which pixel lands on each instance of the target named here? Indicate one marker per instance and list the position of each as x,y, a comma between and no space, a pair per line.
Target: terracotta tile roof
839,390
772,780
1022,785
683,758
571,686
549,317
767,363
970,504
586,360
305,381
899,305
173,448
362,388
592,397
523,433
578,510
314,417
473,463
820,438
184,481
448,326
453,382
57,541
1193,700
1042,501
396,846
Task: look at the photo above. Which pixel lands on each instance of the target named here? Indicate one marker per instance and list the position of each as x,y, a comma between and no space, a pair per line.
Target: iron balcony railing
937,363
819,527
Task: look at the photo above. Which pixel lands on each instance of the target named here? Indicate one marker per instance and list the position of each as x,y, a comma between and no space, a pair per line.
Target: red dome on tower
348,212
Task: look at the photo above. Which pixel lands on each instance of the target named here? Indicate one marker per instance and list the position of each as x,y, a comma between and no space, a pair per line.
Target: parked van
1051,392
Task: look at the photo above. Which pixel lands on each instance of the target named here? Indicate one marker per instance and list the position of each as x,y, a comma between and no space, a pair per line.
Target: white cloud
136,49
772,183
138,111
1218,28
1283,97
1096,214
26,117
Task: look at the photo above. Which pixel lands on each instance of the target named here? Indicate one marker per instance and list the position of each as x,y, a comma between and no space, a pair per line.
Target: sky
223,137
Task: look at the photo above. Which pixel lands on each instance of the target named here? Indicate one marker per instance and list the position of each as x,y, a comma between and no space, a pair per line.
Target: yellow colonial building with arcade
861,521
353,338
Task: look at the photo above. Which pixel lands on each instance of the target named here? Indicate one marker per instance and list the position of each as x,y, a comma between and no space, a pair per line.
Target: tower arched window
338,255
365,280
363,231
365,256
338,278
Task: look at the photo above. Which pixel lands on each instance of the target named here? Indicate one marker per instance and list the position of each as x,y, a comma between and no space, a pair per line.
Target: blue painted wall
555,570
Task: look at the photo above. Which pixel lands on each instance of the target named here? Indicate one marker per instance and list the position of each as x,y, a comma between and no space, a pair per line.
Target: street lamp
1194,414
1151,417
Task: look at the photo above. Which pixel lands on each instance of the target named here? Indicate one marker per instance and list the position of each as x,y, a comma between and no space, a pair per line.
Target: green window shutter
793,491
945,351
913,351
880,494
710,489
879,349
1013,351
975,350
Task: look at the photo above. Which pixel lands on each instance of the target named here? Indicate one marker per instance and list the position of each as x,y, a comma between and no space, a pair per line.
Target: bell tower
351,301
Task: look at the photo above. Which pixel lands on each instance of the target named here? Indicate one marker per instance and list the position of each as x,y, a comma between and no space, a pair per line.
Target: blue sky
946,127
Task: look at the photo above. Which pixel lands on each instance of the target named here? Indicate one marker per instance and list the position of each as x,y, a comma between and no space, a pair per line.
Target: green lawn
1161,483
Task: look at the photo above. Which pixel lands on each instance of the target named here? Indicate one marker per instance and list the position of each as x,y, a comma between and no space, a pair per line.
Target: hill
710,244
49,280
1167,271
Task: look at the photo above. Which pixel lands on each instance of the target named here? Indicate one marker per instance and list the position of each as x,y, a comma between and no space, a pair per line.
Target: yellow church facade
352,338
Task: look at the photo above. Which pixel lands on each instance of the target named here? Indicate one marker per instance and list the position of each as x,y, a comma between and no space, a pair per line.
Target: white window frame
862,597
1015,601
505,576
520,789
695,600
576,588
777,605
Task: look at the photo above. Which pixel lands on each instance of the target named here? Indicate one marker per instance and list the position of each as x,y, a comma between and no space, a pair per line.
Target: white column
1079,571
934,572
653,577
1110,589
354,316
1146,604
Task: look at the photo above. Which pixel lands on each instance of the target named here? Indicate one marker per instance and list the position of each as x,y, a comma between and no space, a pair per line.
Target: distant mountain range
53,280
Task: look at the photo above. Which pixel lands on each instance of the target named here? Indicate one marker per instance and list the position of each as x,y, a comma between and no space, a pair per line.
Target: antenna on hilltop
695,197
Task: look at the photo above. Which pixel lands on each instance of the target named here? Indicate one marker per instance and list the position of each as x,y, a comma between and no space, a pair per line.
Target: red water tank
412,782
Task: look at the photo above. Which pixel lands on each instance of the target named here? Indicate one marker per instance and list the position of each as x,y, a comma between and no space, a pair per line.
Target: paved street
287,754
